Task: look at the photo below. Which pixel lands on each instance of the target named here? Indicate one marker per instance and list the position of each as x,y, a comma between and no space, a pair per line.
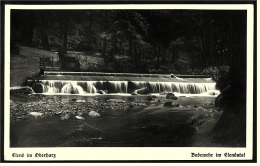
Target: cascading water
179,87
51,88
118,86
114,84
93,87
72,88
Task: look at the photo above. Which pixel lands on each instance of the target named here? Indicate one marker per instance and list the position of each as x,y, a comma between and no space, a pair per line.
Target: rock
81,101
131,105
167,104
93,114
79,117
38,88
101,92
171,96
65,117
176,105
36,114
21,90
149,98
143,91
116,100
73,99
219,101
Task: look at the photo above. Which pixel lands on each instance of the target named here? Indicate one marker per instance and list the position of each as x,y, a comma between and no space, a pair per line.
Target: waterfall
93,87
72,88
88,86
49,86
118,86
179,87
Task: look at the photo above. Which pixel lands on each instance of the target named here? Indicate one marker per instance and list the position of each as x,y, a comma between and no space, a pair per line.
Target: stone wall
23,67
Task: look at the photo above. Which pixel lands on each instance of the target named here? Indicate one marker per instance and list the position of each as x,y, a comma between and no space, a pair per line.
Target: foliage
149,38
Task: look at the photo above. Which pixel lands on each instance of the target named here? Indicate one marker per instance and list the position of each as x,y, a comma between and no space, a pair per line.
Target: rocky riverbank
192,117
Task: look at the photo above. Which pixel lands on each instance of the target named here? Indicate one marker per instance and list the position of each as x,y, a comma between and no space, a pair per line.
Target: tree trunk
104,50
64,37
45,39
205,44
130,45
27,29
44,32
135,54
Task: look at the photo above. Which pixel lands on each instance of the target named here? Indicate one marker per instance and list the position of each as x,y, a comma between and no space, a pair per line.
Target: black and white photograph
161,82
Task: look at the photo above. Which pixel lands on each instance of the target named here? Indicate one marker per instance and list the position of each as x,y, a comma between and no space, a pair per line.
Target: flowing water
73,84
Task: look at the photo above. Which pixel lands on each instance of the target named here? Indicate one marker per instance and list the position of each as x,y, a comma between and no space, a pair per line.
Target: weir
123,83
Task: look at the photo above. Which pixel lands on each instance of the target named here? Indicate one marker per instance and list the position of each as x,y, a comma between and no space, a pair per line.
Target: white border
114,153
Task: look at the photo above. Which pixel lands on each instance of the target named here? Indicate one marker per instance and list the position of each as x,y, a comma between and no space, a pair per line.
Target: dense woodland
145,40
149,41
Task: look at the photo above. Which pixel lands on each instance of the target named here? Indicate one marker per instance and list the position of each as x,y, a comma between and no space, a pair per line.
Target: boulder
93,114
65,117
143,91
116,100
176,105
171,96
79,117
81,101
149,98
36,114
167,104
38,88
